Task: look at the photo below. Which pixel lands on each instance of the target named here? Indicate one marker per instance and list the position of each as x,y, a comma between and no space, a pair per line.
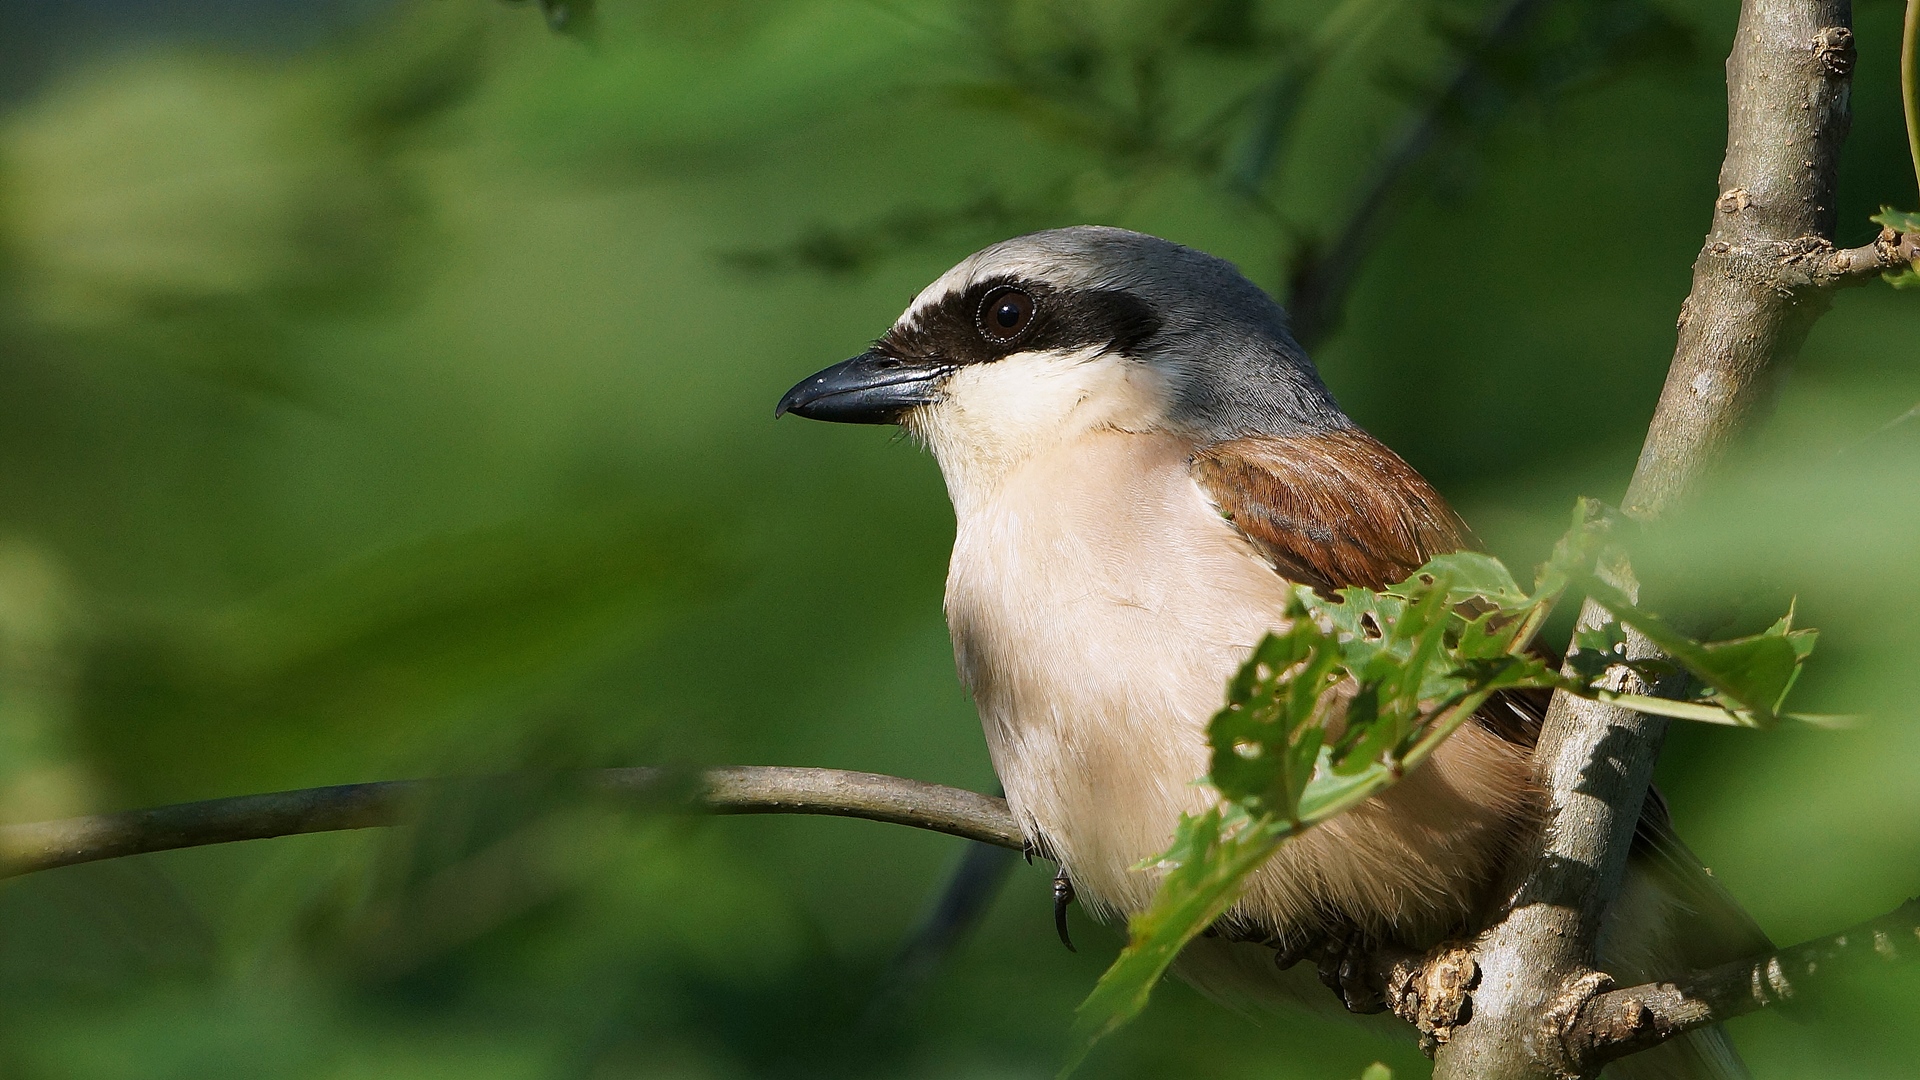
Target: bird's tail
1671,916
1706,1054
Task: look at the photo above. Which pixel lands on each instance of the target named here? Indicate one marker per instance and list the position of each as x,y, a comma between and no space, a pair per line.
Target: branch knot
1561,1023
1433,993
1833,47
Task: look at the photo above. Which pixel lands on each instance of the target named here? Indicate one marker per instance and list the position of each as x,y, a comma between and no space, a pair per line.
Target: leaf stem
1910,82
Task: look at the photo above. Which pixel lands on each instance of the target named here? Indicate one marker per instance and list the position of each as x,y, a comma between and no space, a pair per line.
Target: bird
1142,464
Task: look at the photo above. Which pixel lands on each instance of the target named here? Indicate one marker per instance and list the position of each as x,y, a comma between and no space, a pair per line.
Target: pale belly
1098,606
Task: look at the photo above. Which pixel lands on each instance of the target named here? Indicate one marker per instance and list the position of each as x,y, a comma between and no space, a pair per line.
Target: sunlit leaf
1471,576
1211,865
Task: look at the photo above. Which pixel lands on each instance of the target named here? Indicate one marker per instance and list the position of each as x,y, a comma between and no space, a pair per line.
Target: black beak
868,389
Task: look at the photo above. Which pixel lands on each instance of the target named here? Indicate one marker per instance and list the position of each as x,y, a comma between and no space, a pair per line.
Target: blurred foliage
1222,94
397,403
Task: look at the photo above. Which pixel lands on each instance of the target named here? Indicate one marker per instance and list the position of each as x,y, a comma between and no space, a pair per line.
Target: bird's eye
1005,314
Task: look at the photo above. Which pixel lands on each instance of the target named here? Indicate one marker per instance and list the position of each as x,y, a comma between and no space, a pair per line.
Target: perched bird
1140,460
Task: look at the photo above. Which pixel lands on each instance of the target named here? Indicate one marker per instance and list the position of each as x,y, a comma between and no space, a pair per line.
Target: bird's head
1040,338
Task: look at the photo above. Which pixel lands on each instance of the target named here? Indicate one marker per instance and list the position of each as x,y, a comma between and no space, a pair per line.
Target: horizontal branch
1847,266
1615,1023
749,789
1810,263
1431,992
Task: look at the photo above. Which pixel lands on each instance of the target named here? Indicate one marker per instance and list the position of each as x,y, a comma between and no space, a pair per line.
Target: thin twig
1825,266
1318,291
1619,1022
749,789
1910,82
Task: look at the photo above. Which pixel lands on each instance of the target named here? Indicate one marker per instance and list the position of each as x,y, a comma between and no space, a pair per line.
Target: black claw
1343,970
1291,951
1062,896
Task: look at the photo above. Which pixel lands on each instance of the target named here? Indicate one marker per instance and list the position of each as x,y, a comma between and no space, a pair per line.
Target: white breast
1097,605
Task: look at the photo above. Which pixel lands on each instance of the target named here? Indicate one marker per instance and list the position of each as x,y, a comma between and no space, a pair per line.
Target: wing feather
1329,510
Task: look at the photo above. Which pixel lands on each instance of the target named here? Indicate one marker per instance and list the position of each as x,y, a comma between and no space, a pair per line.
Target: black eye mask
966,328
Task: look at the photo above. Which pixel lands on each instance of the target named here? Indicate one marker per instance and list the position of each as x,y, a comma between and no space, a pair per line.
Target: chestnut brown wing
1329,510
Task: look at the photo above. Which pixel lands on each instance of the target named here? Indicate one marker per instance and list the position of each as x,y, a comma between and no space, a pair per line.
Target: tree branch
1604,1023
746,789
1615,1023
1787,84
1854,266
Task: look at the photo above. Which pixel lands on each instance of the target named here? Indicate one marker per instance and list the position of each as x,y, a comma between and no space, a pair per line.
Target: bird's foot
1289,951
1062,898
1431,990
1346,967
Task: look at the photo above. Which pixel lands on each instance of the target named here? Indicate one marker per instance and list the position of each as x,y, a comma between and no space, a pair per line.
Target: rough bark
1756,292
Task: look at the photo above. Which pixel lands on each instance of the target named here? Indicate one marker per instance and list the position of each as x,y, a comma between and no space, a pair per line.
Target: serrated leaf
1595,649
1356,615
1489,635
1900,221
1468,576
1265,740
1329,792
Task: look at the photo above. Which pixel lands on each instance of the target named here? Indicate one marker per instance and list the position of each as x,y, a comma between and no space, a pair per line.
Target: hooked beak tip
868,389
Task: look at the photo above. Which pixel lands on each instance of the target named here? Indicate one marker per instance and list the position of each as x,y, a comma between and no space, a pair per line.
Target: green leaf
1597,648
1904,278
1679,710
1469,576
1376,1071
1575,552
1210,862
1488,636
1265,740
1901,221
1329,792
1359,614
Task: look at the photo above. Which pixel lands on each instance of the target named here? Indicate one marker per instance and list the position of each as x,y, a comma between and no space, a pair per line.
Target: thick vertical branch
1755,294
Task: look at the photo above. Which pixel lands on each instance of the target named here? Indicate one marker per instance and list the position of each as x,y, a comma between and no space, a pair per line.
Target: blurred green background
386,390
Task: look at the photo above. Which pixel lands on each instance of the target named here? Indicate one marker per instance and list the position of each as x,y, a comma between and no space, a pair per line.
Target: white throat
994,417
